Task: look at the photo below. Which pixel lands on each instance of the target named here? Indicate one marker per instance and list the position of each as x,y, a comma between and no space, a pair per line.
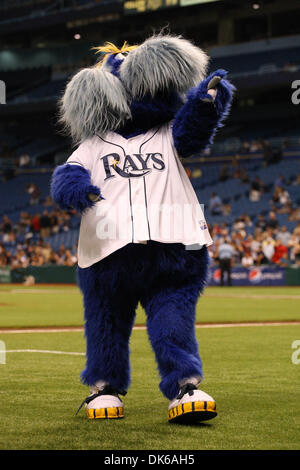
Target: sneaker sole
105,413
192,412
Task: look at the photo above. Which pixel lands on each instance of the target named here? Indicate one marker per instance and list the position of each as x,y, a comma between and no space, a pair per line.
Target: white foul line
44,351
138,327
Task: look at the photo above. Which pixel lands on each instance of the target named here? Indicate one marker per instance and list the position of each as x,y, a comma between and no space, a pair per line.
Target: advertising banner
185,3
256,276
141,6
5,275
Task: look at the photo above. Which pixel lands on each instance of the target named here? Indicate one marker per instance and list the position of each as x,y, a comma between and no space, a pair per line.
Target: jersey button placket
139,210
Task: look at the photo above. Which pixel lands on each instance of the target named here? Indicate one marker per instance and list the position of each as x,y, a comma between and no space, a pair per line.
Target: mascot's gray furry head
98,99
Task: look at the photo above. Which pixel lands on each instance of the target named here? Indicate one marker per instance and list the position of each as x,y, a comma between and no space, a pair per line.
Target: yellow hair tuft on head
110,48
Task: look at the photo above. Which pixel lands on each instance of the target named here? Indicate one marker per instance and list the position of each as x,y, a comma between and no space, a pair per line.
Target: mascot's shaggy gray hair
94,102
163,63
97,101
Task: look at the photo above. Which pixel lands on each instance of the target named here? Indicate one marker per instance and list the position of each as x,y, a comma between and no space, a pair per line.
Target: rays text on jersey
134,165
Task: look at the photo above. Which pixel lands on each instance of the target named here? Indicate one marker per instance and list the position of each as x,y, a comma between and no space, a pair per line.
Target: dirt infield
67,329
253,296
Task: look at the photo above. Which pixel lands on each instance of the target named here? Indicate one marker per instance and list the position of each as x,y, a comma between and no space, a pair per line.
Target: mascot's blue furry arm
71,187
197,121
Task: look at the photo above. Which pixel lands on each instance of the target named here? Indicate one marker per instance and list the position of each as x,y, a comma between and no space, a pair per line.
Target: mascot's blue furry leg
109,316
170,322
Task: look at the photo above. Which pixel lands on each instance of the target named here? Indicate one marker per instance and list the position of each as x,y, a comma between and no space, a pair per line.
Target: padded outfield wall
256,276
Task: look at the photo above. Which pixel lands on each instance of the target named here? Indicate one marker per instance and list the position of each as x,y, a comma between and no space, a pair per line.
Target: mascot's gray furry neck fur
132,90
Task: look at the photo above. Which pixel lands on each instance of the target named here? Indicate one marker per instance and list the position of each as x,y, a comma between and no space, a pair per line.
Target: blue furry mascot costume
143,237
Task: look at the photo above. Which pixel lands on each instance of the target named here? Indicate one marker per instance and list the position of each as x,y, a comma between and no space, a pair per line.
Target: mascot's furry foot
191,405
104,404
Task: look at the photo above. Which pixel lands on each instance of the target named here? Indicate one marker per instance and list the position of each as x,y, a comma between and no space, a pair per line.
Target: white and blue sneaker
191,405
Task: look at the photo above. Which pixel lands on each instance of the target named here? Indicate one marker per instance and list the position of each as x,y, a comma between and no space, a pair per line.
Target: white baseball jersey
148,195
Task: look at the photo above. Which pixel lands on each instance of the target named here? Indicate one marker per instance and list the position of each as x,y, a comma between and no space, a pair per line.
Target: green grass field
62,305
248,370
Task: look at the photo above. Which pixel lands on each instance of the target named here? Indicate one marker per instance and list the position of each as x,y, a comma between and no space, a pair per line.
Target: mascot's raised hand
133,116
206,107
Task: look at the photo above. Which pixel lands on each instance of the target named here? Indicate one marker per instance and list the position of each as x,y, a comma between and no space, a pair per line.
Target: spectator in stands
3,260
8,257
272,221
24,224
226,209
261,222
65,221
245,147
276,154
280,250
207,151
255,146
256,189
45,223
246,243
20,260
286,208
296,230
290,67
284,235
244,177
54,221
54,258
275,196
196,173
61,255
9,238
261,258
239,226
284,262
294,214
35,223
6,226
37,259
225,255
280,197
235,165
237,173
268,247
255,245
216,230
268,155
247,260
34,192
4,256
247,220
279,182
296,252
24,160
46,252
48,201
294,246
238,250
70,259
284,196
215,204
297,181
223,231
224,173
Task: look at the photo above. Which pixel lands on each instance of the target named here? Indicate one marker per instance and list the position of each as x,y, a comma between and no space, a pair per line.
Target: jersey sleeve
82,156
